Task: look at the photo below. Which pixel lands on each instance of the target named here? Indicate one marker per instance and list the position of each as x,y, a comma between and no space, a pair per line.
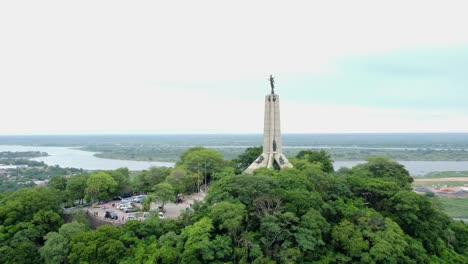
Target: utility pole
198,176
206,187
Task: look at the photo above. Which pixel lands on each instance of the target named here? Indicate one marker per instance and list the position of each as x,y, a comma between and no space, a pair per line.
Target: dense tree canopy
76,187
201,162
100,186
305,214
145,180
320,157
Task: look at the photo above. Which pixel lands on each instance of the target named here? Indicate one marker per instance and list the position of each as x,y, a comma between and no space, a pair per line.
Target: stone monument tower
272,146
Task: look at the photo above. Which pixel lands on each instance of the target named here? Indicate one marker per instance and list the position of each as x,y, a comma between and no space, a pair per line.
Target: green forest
27,171
306,214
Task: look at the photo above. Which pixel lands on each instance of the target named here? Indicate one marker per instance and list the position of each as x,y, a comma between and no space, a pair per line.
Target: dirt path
455,179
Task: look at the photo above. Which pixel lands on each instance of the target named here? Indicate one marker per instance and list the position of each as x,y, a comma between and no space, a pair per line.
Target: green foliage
460,239
76,187
197,246
199,160
69,230
179,180
121,177
298,215
320,157
100,186
419,219
163,192
146,180
55,249
58,183
100,246
25,217
245,188
311,231
46,221
229,216
22,205
348,238
246,158
381,167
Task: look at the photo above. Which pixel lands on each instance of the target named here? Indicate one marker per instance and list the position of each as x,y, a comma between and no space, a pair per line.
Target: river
416,168
76,158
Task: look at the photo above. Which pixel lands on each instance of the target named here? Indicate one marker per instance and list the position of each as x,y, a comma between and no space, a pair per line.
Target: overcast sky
98,67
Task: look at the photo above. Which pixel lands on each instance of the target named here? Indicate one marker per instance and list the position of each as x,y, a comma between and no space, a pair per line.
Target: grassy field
440,183
444,174
455,207
449,178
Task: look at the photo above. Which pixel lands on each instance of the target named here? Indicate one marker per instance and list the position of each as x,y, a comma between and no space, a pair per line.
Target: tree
228,216
22,205
163,193
76,187
197,246
245,188
104,245
418,218
381,167
69,230
100,186
145,180
460,230
55,249
58,182
47,221
321,157
348,239
202,162
276,229
121,177
311,232
178,180
246,158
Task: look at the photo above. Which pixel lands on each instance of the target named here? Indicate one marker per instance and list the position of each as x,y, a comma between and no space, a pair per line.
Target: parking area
172,210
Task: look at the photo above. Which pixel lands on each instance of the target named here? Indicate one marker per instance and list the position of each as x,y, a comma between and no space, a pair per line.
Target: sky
162,67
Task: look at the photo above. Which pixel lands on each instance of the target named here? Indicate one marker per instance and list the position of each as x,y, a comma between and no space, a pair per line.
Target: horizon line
221,133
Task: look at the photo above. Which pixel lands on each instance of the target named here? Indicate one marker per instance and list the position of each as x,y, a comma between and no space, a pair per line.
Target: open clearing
459,179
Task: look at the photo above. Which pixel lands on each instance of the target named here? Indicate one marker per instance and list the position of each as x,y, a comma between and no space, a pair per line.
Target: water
76,158
416,167
72,157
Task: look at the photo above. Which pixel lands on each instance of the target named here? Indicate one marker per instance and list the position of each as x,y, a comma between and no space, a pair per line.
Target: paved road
174,210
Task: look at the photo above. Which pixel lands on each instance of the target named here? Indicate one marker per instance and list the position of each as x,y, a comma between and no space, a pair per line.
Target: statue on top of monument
272,84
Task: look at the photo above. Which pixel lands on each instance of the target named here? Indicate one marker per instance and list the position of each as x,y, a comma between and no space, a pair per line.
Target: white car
131,217
124,205
161,215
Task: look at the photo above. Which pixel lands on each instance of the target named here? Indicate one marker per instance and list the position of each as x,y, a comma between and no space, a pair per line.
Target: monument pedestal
272,146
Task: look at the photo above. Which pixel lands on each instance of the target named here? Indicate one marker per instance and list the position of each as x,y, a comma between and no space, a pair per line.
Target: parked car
126,200
111,215
139,198
121,205
131,217
161,215
128,209
125,195
124,206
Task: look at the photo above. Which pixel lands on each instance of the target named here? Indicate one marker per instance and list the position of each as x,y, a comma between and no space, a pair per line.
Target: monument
272,146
